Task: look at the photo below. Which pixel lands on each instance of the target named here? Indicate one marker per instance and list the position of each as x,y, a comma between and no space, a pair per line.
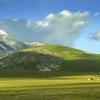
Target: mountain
9,44
51,58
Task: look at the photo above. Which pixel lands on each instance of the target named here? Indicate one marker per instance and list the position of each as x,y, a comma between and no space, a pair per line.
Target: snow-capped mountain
9,44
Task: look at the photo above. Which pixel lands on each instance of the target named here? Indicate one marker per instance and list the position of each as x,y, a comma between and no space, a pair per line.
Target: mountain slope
52,58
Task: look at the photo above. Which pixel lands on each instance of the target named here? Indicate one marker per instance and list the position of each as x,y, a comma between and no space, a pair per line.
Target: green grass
58,50
73,60
51,88
64,52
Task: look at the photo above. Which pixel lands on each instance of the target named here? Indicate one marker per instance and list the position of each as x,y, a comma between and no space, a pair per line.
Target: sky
73,23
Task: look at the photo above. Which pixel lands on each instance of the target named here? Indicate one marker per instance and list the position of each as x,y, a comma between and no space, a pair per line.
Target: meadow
75,87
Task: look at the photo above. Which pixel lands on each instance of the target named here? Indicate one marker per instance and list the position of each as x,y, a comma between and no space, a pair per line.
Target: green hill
50,58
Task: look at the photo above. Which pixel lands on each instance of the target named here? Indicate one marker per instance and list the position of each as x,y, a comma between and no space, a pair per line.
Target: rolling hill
51,58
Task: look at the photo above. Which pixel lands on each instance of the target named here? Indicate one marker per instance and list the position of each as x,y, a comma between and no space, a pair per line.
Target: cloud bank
62,28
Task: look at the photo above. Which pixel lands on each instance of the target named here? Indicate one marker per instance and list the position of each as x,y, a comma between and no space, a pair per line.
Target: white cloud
21,29
63,27
29,23
95,36
66,13
50,15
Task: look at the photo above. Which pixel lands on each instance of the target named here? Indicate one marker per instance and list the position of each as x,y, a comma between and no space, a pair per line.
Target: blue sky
37,10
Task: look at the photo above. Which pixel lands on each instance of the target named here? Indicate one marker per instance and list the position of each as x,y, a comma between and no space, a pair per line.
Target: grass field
54,88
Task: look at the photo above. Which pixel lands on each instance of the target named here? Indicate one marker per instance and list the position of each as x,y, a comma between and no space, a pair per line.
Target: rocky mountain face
31,60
